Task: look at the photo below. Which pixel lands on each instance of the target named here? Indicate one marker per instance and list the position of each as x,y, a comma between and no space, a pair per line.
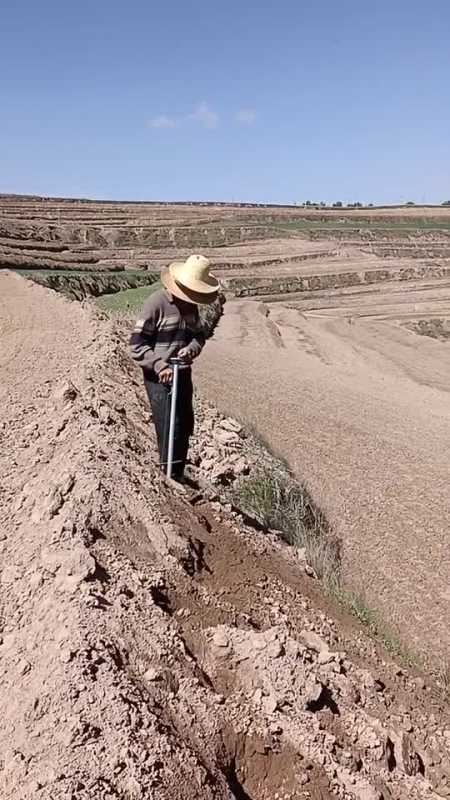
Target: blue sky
258,101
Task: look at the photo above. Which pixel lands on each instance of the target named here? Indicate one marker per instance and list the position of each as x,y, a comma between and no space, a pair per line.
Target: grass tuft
443,679
356,605
277,502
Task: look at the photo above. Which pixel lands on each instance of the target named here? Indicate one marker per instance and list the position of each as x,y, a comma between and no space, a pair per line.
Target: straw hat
191,280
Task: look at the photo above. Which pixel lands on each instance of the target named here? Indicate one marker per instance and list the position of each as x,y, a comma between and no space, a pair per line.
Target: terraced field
391,262
329,259
47,233
344,366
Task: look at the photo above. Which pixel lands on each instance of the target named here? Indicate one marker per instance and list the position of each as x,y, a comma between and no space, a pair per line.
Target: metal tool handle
175,363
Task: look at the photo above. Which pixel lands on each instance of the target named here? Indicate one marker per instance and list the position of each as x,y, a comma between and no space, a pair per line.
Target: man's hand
186,354
165,376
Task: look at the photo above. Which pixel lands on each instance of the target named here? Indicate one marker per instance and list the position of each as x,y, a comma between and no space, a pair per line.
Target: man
170,326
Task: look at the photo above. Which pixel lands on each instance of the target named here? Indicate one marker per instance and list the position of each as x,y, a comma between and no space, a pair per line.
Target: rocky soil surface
153,645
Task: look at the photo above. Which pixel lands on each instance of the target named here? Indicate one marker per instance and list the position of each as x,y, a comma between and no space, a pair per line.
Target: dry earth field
123,606
363,395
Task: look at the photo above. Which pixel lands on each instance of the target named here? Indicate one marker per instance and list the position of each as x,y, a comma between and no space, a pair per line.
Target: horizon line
336,206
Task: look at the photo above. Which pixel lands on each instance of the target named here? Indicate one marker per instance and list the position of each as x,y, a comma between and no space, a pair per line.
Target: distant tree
308,203
339,204
322,204
410,203
370,205
446,203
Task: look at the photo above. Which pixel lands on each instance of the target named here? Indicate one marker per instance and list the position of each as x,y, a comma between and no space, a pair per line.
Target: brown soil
359,407
152,646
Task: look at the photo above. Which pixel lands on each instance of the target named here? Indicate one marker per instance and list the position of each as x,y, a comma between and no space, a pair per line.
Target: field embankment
256,286
78,286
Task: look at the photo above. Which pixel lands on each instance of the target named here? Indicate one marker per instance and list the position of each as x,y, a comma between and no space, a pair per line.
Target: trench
237,791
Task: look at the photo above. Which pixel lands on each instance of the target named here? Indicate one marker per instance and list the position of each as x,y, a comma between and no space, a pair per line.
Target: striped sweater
164,326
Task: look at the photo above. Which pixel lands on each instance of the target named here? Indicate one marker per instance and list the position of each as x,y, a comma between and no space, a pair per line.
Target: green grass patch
126,300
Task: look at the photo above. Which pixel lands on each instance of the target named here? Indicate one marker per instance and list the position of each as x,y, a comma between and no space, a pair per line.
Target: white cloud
204,115
163,122
246,116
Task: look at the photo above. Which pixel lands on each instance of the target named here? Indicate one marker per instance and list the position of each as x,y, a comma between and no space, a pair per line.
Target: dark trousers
159,395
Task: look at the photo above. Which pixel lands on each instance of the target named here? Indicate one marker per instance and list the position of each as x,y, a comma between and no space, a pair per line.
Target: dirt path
362,413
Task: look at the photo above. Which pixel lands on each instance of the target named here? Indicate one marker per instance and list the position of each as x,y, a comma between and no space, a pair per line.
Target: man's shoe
175,484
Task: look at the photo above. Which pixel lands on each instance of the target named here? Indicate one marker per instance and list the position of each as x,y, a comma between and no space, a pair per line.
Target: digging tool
176,364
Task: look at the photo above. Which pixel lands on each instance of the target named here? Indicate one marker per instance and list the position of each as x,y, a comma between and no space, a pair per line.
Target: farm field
357,402
163,641
352,344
